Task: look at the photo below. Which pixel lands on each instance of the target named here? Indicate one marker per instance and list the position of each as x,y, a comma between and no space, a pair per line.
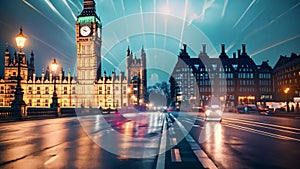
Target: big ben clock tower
88,40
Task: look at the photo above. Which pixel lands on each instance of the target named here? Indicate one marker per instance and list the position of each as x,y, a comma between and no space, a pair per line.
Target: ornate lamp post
18,102
54,67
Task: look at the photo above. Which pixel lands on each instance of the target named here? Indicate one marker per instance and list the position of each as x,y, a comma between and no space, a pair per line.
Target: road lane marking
192,123
204,160
160,164
263,125
238,127
273,125
175,155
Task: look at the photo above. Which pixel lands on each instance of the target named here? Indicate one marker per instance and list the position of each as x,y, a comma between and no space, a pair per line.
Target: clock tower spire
88,41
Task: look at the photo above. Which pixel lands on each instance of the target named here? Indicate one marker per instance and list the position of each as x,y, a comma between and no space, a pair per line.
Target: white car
213,113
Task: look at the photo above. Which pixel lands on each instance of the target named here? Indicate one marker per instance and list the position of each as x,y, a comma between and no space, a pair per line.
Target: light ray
154,24
224,8
244,13
77,8
80,3
166,26
251,21
123,6
50,20
69,59
276,44
72,13
183,23
113,6
207,4
142,19
110,62
52,7
124,14
230,46
272,21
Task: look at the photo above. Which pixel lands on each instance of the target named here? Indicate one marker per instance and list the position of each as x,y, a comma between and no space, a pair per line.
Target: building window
47,90
108,89
65,90
2,90
38,90
100,90
29,90
73,90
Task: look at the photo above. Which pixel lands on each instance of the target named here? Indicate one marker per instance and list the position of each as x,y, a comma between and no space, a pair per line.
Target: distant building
236,80
286,78
90,88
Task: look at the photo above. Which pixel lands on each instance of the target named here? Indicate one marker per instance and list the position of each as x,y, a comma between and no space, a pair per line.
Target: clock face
85,30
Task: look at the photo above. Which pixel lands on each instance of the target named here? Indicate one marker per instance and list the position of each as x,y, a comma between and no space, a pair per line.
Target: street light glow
54,65
287,90
20,39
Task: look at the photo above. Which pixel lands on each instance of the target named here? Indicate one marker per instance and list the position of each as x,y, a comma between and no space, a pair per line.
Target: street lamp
18,102
54,67
286,91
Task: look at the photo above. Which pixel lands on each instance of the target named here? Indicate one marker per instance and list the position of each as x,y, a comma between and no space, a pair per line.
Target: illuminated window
100,90
38,90
65,90
2,90
29,90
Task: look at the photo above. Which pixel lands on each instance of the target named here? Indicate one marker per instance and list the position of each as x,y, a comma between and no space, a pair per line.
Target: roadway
152,140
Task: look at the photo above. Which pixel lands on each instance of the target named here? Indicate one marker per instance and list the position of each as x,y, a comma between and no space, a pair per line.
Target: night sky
270,28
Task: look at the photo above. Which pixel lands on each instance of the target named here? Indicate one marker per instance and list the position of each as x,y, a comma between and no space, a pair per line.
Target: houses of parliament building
90,87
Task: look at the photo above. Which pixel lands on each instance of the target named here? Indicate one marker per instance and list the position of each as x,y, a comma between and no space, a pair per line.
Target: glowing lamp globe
20,39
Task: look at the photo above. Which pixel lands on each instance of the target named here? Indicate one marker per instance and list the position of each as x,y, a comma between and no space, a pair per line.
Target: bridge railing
41,112
8,113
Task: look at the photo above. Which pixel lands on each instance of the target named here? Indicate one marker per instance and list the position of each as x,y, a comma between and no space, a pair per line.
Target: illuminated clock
85,30
98,32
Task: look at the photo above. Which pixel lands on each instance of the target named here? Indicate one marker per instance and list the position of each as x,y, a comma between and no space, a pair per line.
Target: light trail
50,20
142,20
113,6
265,124
71,2
230,46
224,8
207,4
154,24
166,26
183,23
69,59
111,54
272,21
274,45
52,7
244,13
69,8
251,21
285,129
111,63
248,129
80,4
